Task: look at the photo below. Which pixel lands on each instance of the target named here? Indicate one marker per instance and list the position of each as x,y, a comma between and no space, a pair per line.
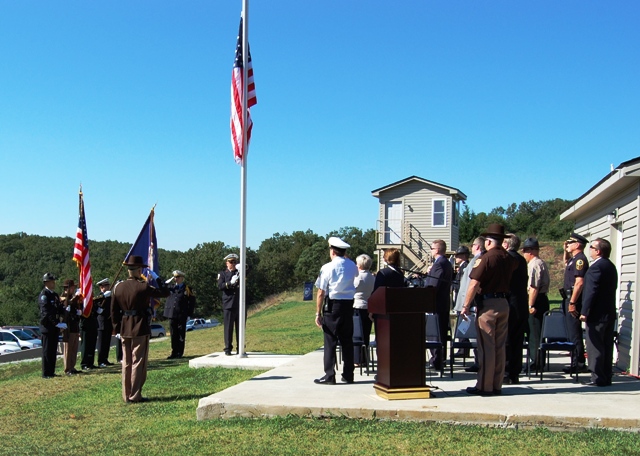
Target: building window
455,214
439,214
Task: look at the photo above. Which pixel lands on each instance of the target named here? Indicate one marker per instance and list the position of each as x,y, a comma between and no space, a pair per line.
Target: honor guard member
72,304
50,312
102,304
490,278
89,336
130,313
574,272
229,283
334,310
178,308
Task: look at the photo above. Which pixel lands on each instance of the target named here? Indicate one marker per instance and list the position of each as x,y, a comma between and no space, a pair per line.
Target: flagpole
243,183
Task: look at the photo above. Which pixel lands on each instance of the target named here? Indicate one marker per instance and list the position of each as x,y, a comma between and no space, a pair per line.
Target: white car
8,347
21,338
201,323
157,330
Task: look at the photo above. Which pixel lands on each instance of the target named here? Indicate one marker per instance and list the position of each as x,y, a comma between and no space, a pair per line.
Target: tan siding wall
597,225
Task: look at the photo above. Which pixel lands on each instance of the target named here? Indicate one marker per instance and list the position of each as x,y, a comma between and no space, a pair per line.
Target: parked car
200,323
8,347
24,340
157,330
33,331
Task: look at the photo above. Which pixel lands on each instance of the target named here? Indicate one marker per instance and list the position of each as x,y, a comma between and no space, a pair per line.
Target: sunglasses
592,247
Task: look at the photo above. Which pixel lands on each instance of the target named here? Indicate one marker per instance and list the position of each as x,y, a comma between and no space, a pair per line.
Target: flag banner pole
81,258
243,185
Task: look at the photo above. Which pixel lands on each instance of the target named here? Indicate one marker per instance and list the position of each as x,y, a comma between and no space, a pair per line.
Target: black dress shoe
511,381
478,392
170,357
473,368
325,381
344,380
497,392
227,353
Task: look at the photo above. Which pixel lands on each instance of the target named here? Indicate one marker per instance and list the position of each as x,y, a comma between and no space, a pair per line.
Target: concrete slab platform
558,402
253,361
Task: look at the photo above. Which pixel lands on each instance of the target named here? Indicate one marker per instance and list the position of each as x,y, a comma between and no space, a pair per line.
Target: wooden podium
400,339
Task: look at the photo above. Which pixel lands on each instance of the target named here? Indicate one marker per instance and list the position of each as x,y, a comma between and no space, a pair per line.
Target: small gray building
411,214
609,210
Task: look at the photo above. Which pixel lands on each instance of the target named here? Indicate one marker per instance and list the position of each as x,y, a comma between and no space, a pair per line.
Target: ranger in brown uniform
130,314
490,279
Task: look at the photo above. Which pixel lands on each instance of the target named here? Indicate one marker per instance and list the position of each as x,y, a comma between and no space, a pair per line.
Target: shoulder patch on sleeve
579,265
477,263
43,298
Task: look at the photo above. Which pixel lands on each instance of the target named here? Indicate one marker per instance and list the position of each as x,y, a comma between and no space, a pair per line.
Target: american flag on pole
236,100
81,257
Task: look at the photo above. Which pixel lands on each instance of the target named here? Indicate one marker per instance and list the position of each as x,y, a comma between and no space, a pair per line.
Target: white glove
100,310
68,308
118,336
78,293
107,293
61,325
234,279
78,312
169,280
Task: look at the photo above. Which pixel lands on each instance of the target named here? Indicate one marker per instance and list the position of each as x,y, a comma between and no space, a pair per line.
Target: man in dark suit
130,313
50,312
440,276
229,284
599,312
177,309
102,304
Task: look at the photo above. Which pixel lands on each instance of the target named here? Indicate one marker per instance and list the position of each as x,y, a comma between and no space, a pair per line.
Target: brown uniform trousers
492,324
135,355
70,352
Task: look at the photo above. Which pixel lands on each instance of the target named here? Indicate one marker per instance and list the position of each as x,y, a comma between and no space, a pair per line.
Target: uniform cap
231,256
463,250
338,243
178,273
103,282
575,237
531,243
47,277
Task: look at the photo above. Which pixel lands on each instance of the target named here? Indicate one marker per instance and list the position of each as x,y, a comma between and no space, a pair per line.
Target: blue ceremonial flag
146,246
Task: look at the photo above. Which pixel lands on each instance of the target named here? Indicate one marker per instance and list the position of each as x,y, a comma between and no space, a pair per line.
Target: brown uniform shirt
493,270
130,306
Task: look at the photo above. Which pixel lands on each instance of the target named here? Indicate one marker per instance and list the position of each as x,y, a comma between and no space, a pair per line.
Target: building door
393,222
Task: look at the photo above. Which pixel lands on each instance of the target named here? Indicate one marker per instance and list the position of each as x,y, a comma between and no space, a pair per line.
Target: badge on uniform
475,265
579,265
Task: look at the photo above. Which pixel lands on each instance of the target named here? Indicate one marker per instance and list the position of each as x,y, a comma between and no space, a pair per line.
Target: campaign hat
575,237
338,243
495,231
531,243
134,261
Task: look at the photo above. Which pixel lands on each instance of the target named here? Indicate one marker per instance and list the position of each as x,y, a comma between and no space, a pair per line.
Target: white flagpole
243,182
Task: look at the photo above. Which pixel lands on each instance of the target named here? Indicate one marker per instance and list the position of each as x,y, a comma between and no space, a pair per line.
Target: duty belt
130,313
494,295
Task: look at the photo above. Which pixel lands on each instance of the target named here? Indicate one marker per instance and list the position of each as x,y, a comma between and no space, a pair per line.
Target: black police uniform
518,316
89,335
102,304
576,267
50,312
230,307
180,305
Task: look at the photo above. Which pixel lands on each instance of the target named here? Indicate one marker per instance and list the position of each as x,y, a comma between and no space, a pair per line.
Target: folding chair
465,341
554,336
432,336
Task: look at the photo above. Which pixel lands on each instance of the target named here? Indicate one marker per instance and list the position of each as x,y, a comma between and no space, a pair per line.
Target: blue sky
507,101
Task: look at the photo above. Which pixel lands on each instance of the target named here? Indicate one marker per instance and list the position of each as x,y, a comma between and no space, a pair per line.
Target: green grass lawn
85,414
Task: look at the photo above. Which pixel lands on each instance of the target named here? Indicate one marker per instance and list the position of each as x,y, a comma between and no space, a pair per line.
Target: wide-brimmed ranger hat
134,261
495,231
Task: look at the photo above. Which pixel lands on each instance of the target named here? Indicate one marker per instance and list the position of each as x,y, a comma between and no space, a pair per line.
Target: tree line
282,262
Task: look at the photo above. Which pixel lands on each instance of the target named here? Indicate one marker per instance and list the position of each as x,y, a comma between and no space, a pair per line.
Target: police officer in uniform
229,283
50,312
72,304
334,310
89,336
575,270
179,306
102,304
130,314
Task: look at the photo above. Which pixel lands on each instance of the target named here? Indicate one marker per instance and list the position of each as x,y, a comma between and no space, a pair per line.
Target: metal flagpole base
242,355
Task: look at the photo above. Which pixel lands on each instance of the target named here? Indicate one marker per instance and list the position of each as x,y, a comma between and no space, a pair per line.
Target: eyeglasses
592,247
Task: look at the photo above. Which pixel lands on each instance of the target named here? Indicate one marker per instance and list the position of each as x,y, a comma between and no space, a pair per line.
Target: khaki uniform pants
492,324
135,354
70,352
